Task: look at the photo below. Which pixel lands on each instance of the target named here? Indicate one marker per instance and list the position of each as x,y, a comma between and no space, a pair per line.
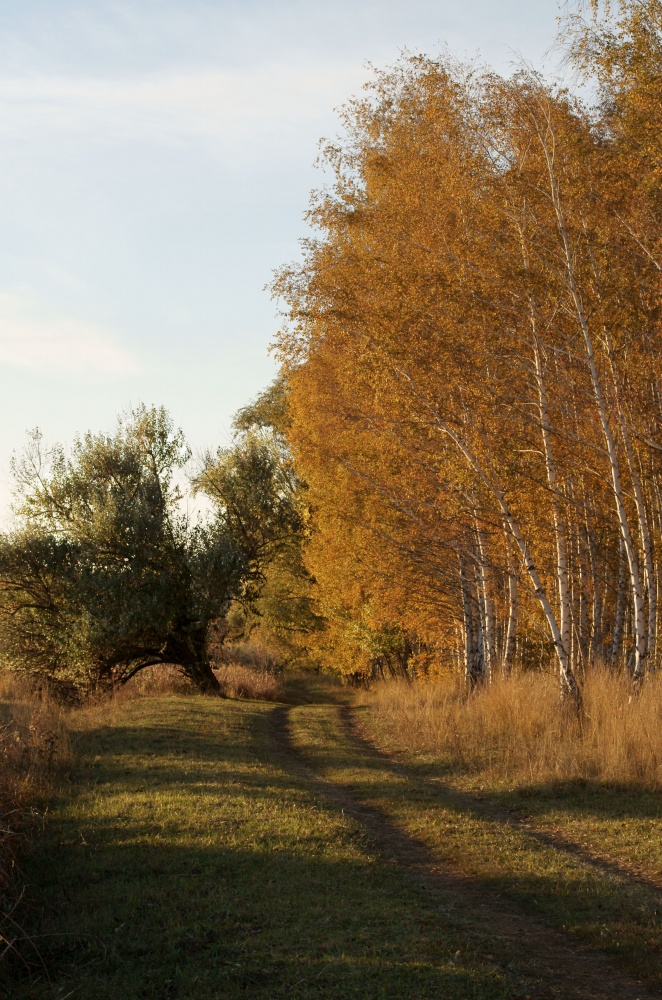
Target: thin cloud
170,106
31,341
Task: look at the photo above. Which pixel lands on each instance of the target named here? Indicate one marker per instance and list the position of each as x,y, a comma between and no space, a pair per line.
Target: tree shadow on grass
604,800
602,901
237,883
220,923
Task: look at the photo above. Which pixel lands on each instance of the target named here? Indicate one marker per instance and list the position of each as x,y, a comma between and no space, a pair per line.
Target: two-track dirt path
547,962
489,810
234,850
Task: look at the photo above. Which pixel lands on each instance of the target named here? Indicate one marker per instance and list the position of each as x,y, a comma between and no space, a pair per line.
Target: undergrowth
239,677
33,745
248,670
519,728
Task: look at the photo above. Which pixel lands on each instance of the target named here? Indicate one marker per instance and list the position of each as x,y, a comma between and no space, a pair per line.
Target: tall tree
471,365
256,492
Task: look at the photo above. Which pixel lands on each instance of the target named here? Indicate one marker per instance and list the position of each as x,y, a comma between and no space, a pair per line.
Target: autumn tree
472,361
256,492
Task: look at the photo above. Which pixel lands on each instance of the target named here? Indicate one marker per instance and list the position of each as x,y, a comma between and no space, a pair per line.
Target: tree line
472,362
460,462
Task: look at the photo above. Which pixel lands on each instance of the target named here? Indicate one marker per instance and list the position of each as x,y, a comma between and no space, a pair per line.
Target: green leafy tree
103,575
256,491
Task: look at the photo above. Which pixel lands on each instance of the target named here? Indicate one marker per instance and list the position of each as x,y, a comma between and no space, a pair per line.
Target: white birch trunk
619,613
471,665
640,630
487,610
646,543
510,644
568,681
598,597
564,597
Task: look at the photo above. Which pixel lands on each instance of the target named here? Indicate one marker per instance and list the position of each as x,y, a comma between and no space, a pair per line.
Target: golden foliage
472,362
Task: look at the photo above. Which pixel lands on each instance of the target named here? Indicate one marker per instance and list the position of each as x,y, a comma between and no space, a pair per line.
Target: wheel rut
539,961
486,810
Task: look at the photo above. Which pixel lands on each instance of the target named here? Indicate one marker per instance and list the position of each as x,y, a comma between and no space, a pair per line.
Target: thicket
34,747
104,575
472,365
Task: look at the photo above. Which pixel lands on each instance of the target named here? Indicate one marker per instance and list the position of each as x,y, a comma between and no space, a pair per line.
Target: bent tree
104,575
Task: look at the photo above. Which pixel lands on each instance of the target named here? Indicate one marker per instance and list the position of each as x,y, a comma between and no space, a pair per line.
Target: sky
157,158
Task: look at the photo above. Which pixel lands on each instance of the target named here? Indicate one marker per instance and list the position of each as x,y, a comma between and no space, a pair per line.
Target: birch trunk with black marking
472,655
620,610
510,642
486,606
639,618
561,546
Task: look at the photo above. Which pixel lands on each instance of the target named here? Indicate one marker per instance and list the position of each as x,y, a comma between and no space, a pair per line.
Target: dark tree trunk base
204,679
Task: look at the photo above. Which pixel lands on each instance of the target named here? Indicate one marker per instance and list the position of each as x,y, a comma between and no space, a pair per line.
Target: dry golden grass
519,728
247,670
255,655
247,677
33,735
33,742
162,679
239,681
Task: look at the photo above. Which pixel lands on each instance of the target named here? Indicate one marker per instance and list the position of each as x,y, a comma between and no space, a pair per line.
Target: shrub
33,745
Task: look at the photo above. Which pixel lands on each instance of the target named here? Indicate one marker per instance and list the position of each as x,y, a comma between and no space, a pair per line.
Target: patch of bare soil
538,960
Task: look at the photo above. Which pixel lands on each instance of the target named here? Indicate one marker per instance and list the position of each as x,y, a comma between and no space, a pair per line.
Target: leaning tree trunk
204,678
190,654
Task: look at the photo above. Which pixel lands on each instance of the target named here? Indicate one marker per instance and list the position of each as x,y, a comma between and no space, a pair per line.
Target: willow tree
104,575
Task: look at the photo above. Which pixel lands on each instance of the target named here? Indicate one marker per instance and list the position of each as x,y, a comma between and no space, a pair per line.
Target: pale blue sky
156,161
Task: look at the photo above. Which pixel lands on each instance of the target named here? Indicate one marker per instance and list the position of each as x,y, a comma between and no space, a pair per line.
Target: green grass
184,861
602,910
188,857
619,822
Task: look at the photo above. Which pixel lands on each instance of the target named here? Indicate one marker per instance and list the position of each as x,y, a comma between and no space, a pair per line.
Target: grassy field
490,837
183,862
215,849
512,750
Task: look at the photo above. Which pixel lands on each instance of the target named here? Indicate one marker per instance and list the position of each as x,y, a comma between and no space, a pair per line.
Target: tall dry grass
240,681
518,728
248,670
254,655
160,680
33,744
244,675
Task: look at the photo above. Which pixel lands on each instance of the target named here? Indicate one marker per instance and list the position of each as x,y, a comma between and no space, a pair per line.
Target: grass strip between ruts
184,861
601,910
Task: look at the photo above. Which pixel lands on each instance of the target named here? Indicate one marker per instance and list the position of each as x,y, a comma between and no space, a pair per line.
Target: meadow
331,843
